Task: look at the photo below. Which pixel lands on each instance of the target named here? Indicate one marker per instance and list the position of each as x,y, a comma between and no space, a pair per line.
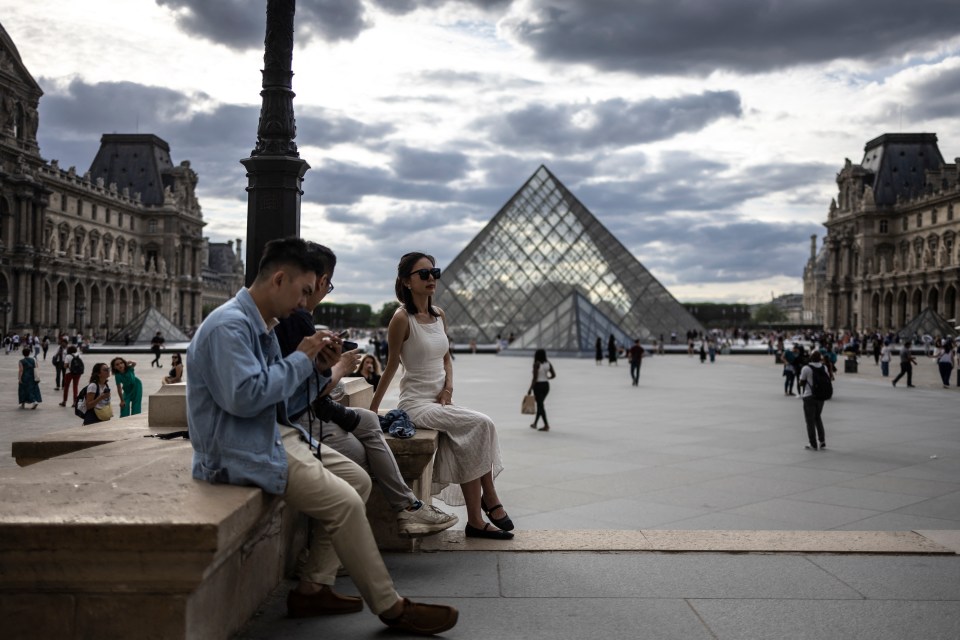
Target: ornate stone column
274,169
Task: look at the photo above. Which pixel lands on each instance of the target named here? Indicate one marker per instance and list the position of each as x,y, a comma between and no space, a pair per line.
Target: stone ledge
122,536
862,542
112,531
59,443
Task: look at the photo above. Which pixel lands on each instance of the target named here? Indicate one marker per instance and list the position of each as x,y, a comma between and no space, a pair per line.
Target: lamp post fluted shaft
274,169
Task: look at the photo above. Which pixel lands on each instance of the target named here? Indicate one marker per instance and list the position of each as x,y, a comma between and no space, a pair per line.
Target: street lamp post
274,169
81,310
6,307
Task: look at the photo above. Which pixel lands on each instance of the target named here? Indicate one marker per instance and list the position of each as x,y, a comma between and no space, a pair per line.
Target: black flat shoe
493,534
504,523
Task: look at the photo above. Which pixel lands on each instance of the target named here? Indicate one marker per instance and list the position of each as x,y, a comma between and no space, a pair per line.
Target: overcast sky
705,134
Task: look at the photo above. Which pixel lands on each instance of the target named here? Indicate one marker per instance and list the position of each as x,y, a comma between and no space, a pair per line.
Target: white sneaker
425,521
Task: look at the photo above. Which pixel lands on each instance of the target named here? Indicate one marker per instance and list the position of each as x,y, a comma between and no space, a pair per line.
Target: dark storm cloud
697,37
935,97
698,252
347,183
429,166
73,118
241,24
686,182
609,123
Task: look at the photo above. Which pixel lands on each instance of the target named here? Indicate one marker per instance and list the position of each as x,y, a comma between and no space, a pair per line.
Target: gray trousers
366,446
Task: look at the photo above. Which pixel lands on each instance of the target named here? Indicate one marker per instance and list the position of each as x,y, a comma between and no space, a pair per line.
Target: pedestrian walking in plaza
129,386
72,370
599,348
944,357
789,372
815,389
57,362
885,355
636,359
906,364
540,386
703,353
156,344
611,351
28,389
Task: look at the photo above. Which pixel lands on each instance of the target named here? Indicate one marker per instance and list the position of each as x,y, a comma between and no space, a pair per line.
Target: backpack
57,359
80,405
76,366
822,386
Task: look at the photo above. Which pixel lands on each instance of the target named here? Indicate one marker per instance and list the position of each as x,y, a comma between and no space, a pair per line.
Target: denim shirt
236,394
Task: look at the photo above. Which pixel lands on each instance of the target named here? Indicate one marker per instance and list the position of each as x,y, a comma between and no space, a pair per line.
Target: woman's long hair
95,372
372,358
540,356
403,271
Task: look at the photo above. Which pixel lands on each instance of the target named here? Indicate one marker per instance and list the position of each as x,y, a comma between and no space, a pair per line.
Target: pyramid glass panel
546,269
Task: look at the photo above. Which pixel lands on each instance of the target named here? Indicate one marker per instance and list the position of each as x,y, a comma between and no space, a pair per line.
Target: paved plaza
696,447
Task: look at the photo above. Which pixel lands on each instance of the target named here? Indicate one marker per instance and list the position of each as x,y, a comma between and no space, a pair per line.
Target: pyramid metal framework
540,248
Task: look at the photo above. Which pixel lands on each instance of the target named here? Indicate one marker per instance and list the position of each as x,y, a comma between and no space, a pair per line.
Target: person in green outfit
129,387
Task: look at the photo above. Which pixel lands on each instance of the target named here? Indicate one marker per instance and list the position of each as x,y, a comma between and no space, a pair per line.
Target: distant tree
341,316
720,315
386,312
769,314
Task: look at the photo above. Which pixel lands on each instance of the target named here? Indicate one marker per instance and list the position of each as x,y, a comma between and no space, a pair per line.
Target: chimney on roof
239,248
813,247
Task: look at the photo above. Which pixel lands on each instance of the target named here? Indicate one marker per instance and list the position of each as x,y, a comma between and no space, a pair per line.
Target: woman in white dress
468,457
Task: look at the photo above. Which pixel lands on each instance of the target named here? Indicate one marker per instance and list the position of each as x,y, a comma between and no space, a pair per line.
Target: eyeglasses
426,273
329,287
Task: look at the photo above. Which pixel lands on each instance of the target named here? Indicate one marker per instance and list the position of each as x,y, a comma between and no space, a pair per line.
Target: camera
346,345
329,410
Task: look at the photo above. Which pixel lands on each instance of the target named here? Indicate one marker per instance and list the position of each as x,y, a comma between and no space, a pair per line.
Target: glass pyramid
573,325
145,326
542,247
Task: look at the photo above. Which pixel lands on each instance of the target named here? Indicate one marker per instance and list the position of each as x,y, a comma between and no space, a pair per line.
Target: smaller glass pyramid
145,326
573,325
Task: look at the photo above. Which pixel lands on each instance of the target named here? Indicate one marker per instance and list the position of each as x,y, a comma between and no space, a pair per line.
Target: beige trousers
334,493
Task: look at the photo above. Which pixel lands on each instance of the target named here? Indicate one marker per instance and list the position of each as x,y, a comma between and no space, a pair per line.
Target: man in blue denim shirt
241,435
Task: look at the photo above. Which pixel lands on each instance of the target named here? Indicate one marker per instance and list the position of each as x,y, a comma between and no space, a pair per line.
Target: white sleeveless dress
468,445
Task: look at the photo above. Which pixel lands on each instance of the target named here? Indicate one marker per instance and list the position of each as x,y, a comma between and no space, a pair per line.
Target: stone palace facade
891,247
91,250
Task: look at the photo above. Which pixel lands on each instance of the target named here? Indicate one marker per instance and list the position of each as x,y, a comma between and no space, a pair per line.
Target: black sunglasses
426,273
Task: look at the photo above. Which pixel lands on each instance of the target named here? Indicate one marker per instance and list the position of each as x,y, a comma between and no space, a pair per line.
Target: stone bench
104,533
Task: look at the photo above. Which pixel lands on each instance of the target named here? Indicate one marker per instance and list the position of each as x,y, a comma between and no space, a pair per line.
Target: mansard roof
899,162
135,160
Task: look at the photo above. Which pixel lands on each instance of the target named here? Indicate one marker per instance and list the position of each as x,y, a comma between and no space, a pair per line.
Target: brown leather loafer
325,602
423,619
